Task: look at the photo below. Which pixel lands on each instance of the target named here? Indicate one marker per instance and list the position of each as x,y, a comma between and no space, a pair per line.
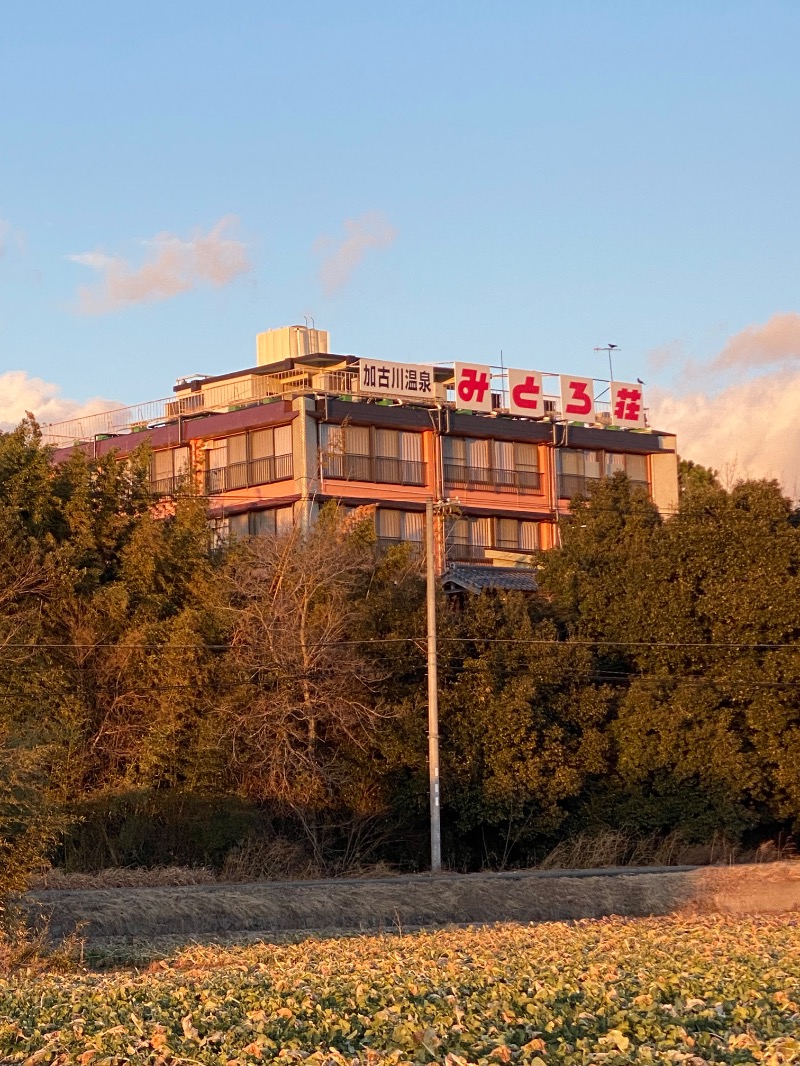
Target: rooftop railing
229,395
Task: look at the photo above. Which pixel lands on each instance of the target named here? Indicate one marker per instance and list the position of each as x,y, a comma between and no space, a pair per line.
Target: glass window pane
572,462
592,467
614,463
387,443
528,536
218,455
411,447
526,456
636,467
503,455
357,440
261,444
482,532
283,440
262,523
389,524
506,532
413,526
458,532
284,519
478,451
162,465
455,449
181,461
237,449
238,526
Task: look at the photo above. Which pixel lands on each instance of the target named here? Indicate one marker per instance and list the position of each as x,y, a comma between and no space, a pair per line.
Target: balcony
570,485
375,468
488,479
458,551
244,475
415,546
169,486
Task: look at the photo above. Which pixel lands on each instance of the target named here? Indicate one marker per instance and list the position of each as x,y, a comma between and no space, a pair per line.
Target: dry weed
57,879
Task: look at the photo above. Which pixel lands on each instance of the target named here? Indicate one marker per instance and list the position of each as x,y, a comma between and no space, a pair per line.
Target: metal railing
243,475
376,468
492,479
339,381
459,551
570,485
415,546
170,486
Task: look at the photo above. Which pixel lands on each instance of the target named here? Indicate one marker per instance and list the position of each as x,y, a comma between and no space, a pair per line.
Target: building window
491,465
469,539
169,471
364,453
265,523
244,459
399,527
579,469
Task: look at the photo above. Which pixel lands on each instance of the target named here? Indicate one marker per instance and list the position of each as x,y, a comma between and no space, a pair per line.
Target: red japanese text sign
473,386
577,398
525,393
627,404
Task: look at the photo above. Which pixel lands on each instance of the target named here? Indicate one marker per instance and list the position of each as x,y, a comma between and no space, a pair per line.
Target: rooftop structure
506,448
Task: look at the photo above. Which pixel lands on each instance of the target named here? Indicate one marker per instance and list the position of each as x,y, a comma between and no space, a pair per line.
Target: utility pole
433,695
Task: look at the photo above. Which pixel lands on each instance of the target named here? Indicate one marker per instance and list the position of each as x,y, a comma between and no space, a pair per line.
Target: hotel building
268,446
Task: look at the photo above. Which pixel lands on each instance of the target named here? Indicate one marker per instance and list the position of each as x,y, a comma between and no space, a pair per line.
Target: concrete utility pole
433,695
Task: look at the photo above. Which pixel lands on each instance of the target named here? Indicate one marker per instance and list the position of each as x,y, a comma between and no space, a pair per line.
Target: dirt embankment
401,903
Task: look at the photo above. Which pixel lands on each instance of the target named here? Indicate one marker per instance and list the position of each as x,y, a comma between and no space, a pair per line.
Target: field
679,990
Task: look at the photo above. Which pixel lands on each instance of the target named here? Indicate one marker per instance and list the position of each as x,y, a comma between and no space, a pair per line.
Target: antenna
305,319
314,324
609,348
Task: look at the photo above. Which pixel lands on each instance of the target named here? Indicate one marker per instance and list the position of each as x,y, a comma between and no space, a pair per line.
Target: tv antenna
609,348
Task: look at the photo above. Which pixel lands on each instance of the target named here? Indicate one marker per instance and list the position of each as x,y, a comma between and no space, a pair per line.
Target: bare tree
299,692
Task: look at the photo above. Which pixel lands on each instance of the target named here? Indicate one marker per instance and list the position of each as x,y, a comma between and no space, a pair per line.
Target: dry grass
280,859
55,879
400,903
616,847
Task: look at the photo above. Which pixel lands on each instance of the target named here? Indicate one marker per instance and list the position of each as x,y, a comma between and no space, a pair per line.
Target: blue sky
556,176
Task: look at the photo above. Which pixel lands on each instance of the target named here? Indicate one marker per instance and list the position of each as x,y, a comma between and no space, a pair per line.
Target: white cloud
173,266
20,393
372,230
776,341
751,426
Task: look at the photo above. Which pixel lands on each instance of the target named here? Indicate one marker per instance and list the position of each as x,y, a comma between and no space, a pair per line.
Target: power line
476,639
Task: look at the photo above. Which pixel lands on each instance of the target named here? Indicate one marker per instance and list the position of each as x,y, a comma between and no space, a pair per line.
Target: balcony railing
375,468
243,475
492,479
385,543
169,486
458,551
570,485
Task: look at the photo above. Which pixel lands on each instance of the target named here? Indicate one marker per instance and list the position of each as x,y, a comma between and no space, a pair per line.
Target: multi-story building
269,445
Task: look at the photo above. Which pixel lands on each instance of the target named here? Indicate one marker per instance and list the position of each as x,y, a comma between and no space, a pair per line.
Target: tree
298,696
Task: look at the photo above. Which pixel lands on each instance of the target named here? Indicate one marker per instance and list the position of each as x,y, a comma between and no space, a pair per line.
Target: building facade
268,446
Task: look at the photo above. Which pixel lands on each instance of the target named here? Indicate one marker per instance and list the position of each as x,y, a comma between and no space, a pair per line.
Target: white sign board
577,398
407,381
627,405
473,386
525,393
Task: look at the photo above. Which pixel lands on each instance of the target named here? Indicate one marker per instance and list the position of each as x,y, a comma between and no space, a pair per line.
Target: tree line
164,700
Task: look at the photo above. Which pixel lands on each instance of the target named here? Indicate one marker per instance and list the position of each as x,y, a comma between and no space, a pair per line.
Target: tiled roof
478,578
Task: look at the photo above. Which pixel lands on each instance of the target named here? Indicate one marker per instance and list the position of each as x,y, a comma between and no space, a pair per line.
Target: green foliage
658,990
161,687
